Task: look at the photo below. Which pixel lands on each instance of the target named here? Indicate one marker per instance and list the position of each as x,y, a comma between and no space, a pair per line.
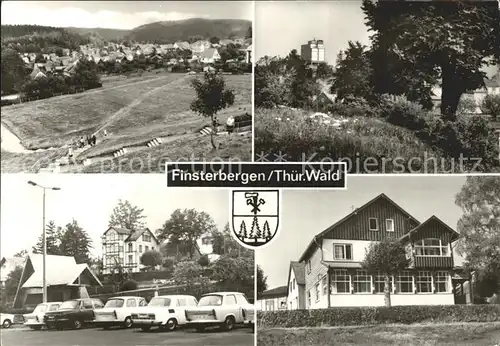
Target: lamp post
43,236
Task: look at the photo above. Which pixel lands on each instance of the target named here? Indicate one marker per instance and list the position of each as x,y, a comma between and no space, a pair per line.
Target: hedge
344,316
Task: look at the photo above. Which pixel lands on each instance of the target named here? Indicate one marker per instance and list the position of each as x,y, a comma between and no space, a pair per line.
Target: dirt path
10,142
125,110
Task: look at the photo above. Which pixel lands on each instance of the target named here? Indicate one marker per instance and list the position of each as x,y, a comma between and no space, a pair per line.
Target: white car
223,309
166,312
117,311
35,319
7,320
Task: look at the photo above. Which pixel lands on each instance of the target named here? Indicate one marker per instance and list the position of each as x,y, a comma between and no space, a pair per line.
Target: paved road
121,337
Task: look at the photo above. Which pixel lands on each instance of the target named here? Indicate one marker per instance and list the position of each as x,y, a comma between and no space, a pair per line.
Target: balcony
433,262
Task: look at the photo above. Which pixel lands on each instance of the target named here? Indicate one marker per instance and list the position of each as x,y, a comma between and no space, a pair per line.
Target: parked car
74,313
7,320
223,309
249,316
35,320
117,311
166,312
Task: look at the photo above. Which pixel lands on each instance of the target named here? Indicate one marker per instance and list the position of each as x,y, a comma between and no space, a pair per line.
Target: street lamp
44,241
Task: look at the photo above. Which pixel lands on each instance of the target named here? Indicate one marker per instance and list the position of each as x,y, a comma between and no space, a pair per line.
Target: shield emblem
255,216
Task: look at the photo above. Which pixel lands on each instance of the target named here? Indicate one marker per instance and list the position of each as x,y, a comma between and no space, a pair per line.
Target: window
362,282
404,282
192,301
241,299
54,307
146,238
293,284
152,247
120,248
389,225
130,247
270,305
146,248
431,247
181,302
140,248
131,303
143,302
442,281
230,300
379,283
317,291
308,265
342,251
324,282
341,282
206,241
87,304
130,259
309,297
97,304
373,224
424,282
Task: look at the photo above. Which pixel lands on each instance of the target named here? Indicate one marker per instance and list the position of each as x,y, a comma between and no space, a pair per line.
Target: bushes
129,285
491,105
379,315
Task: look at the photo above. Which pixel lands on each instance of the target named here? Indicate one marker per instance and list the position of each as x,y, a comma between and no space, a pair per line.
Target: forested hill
35,38
169,32
114,35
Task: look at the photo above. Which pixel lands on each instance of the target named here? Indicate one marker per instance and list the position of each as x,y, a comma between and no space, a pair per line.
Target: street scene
386,262
122,87
421,95
123,269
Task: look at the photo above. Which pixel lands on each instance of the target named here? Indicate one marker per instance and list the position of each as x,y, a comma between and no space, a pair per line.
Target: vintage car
7,320
35,319
223,309
117,311
74,314
166,312
249,315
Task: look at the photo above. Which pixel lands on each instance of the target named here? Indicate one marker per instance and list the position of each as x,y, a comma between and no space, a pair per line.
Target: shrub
401,112
491,105
378,315
128,285
204,261
466,105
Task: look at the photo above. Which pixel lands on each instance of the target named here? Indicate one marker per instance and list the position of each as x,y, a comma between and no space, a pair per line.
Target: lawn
151,104
29,163
191,147
371,144
457,334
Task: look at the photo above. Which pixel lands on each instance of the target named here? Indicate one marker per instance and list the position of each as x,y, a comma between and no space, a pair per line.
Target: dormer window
373,224
431,247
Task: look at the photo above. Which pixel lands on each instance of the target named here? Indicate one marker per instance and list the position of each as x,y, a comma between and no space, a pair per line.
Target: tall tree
151,259
387,257
234,274
128,216
52,239
479,227
186,227
14,71
447,41
352,76
261,282
76,242
211,97
10,286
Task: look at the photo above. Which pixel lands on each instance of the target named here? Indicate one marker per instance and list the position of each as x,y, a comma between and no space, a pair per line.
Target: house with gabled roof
65,280
37,73
182,45
295,296
334,274
273,299
125,247
209,56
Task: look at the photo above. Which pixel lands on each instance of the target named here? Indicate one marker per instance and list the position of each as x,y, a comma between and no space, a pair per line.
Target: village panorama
114,100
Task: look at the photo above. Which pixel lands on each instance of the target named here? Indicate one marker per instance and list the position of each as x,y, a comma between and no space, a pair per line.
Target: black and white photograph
400,260
386,86
124,86
121,260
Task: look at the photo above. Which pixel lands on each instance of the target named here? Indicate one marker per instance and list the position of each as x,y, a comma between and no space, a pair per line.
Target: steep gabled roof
136,234
277,292
317,238
299,271
454,234
118,230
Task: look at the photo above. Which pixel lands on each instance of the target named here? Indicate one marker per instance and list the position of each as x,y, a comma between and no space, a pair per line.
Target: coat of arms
255,216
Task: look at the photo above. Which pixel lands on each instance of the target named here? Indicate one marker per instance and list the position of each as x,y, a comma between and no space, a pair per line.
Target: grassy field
189,148
124,106
292,133
457,334
19,163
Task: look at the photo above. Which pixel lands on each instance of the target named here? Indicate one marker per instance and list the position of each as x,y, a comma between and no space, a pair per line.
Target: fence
30,99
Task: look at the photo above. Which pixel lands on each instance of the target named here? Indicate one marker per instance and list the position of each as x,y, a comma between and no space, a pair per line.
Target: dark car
74,314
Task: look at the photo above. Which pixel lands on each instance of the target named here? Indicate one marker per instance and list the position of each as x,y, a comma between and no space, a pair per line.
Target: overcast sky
118,14
307,213
283,26
90,200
